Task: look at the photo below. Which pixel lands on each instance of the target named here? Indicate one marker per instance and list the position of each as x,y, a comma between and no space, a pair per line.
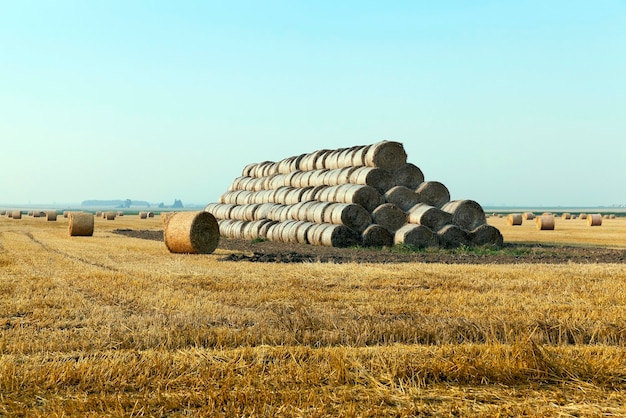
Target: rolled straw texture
192,232
51,215
388,155
430,216
529,216
408,175
487,235
418,236
402,197
452,236
349,214
333,235
545,222
433,193
376,236
363,195
109,216
594,219
16,214
389,216
467,214
513,219
80,224
374,177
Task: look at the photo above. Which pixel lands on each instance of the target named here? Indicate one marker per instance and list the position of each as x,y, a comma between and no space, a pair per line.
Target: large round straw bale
389,155
80,224
545,222
285,165
409,175
318,214
247,169
418,236
302,231
333,235
345,157
109,216
594,219
165,216
143,215
452,236
374,177
376,236
17,214
358,155
389,216
402,197
332,159
430,216
363,195
513,219
320,159
192,232
349,214
433,193
487,235
51,215
467,214
36,213
528,216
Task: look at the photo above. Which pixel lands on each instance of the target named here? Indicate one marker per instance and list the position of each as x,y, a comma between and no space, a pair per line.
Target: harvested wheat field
113,324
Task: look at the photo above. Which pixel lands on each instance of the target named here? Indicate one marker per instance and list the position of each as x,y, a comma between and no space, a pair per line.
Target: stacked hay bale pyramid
365,195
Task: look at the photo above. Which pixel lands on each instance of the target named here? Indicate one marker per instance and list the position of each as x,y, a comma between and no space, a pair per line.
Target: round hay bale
363,195
143,215
467,214
345,158
418,236
192,232
374,177
35,214
51,215
317,213
583,216
80,224
566,215
388,155
165,216
430,216
433,193
66,213
409,176
10,214
389,216
302,230
545,222
402,197
594,219
376,236
452,236
121,213
333,235
358,155
332,159
109,216
3,212
528,216
328,194
487,235
16,214
264,209
349,214
248,169
514,219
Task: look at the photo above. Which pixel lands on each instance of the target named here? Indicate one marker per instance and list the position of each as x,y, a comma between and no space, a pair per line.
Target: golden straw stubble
191,232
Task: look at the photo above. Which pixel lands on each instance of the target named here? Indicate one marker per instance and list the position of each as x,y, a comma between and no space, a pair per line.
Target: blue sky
506,103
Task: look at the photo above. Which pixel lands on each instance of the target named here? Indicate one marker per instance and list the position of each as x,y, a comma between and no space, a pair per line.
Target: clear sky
505,102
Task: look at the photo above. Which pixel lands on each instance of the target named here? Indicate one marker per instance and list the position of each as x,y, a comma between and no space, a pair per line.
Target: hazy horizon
506,103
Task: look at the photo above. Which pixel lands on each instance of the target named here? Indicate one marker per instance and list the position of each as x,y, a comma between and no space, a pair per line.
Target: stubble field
114,325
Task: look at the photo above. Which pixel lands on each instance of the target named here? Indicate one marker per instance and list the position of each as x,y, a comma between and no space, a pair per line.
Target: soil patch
510,253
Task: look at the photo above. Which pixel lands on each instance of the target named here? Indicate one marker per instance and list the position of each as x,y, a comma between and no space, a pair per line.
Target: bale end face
192,233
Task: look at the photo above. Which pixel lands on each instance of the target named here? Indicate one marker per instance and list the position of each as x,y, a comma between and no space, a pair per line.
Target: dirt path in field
511,253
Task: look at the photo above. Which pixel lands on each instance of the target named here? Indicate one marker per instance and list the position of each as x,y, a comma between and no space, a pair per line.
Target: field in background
116,325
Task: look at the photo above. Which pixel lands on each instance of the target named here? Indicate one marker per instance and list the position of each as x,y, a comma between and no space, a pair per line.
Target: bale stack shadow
367,195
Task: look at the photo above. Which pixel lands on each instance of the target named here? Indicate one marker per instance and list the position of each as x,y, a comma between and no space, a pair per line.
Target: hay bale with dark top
377,236
389,155
486,235
374,177
418,236
433,193
409,176
452,236
51,215
389,216
402,197
430,216
192,233
80,224
349,214
333,235
467,214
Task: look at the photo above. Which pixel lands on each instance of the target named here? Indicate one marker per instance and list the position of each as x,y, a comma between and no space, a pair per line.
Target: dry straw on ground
191,232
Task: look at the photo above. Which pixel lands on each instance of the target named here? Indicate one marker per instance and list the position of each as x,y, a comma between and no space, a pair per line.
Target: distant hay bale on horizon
16,214
514,219
191,233
51,215
528,216
80,224
545,222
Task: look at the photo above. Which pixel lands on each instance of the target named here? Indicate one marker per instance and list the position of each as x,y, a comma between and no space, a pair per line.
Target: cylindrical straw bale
332,159
545,222
302,230
3,212
150,214
374,177
80,224
263,210
452,236
377,236
51,215
433,193
192,232
358,155
467,214
333,235
10,214
66,213
319,213
316,178
389,216
389,155
363,195
120,213
143,215
247,169
513,219
409,175
165,216
529,216
487,235
566,215
430,216
583,216
109,215
402,197
285,165
17,214
418,236
349,214
36,213
294,196
594,219
328,194
320,159
345,158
